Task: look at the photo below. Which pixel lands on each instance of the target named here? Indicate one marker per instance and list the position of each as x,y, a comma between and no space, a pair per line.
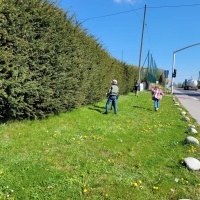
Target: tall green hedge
49,64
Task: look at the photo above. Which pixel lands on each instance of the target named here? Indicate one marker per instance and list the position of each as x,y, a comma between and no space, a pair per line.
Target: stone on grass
192,163
183,113
192,140
186,118
191,125
184,199
176,104
192,130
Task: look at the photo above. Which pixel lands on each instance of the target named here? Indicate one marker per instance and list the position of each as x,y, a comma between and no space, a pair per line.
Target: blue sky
170,25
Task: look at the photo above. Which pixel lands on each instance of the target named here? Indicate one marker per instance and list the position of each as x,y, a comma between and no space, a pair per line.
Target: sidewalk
192,105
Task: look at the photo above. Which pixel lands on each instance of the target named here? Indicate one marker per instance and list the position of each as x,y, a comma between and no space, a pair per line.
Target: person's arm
109,91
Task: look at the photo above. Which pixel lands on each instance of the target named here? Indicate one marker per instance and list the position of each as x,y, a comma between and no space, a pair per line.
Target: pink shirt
157,93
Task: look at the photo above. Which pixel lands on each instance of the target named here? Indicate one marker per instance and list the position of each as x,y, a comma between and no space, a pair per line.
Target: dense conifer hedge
49,64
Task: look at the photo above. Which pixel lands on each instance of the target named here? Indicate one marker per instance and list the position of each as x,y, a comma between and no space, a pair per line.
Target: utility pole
139,66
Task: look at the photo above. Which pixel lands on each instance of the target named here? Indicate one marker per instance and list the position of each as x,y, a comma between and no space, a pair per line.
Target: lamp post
173,62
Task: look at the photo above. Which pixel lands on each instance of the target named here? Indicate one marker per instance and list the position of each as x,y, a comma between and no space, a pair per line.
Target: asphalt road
190,99
191,93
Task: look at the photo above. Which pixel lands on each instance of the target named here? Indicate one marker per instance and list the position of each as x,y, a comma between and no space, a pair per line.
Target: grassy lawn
134,155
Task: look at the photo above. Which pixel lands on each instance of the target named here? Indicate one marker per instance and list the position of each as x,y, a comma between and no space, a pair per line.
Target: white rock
183,112
192,130
184,199
191,125
186,118
191,139
192,163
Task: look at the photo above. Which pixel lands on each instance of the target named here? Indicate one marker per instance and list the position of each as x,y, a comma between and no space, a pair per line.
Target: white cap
114,82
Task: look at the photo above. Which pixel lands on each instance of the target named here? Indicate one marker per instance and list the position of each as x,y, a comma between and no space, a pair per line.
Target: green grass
134,155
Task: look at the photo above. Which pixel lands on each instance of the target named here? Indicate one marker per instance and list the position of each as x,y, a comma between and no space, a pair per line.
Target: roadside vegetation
49,63
83,154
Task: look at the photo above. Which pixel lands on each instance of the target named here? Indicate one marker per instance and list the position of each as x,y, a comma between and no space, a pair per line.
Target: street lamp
173,62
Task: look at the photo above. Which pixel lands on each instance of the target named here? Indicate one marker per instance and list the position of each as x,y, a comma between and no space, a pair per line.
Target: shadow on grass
99,109
142,108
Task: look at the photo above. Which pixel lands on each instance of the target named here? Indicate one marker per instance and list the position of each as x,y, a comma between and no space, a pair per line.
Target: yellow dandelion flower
155,187
85,190
139,181
135,184
1,172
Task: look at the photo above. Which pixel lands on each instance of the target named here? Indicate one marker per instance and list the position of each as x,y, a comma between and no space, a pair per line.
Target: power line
109,15
133,10
177,6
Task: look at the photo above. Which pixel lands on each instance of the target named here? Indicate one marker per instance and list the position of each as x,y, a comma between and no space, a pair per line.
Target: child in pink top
157,94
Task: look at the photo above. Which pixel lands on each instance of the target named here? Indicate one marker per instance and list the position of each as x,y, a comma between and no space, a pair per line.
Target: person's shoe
105,113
